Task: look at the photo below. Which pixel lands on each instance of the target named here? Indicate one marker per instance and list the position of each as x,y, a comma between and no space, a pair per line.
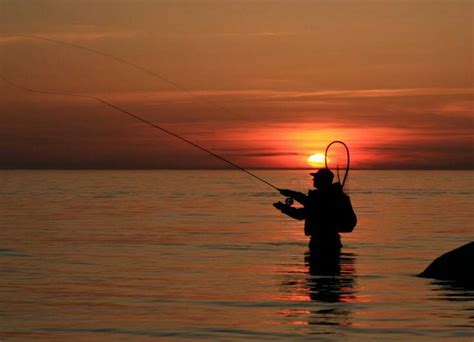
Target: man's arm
297,196
296,213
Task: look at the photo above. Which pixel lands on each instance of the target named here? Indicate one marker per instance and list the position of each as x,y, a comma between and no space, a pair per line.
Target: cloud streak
263,94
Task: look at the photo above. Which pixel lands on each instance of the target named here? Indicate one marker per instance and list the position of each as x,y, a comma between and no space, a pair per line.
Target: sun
316,160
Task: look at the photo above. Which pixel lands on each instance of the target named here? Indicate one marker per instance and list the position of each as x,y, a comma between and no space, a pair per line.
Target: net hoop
347,156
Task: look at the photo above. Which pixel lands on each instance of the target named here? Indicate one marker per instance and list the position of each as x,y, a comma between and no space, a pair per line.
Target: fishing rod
147,71
139,118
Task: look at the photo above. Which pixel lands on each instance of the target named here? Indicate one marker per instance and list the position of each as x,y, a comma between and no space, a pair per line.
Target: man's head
323,178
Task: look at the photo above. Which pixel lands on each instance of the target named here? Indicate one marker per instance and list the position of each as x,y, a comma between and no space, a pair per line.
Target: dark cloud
263,154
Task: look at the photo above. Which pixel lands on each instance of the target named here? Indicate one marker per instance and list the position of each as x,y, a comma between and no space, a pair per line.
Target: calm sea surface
198,255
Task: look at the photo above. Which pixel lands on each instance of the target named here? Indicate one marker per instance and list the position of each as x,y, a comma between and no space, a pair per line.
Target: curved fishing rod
347,155
139,118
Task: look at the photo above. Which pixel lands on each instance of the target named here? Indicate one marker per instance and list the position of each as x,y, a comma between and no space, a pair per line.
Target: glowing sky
272,82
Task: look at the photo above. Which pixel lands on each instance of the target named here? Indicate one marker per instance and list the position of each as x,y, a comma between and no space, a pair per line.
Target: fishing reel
289,201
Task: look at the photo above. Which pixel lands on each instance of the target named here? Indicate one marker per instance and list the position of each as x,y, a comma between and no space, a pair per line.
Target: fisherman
326,211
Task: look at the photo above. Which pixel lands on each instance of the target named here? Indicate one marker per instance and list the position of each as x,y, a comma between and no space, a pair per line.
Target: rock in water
455,265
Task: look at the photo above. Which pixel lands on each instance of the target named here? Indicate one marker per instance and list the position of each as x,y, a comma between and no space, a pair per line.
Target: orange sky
272,81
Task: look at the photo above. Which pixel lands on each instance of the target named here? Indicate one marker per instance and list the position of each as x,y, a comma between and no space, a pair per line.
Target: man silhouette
326,211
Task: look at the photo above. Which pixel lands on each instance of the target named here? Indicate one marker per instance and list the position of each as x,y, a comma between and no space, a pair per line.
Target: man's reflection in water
331,276
330,280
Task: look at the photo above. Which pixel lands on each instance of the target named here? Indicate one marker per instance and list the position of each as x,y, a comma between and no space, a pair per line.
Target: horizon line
215,169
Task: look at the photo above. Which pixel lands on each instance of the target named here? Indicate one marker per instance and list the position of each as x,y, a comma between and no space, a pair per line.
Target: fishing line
139,118
123,61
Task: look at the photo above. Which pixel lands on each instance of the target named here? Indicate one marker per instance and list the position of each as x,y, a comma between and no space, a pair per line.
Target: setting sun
316,160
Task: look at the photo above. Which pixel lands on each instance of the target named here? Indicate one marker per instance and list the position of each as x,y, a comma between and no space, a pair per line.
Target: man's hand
279,205
286,192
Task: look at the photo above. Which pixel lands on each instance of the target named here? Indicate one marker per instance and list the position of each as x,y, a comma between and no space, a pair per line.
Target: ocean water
203,255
